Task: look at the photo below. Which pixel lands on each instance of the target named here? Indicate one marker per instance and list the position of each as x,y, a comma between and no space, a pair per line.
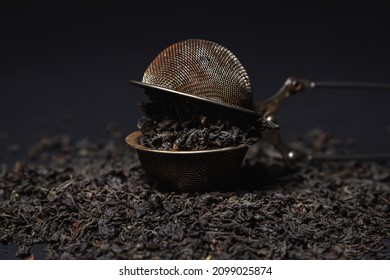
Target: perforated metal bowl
201,68
189,171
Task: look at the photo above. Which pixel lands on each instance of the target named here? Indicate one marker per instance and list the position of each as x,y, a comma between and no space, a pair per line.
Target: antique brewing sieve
201,71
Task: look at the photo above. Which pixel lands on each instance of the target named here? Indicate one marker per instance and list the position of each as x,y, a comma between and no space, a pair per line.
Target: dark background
64,67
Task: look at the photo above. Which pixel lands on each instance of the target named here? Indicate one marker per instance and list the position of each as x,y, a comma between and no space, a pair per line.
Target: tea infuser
201,71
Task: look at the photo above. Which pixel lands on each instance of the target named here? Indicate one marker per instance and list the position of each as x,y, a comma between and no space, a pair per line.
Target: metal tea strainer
201,71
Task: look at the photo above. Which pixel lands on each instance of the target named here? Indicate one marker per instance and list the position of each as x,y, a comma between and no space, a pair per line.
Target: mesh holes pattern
201,68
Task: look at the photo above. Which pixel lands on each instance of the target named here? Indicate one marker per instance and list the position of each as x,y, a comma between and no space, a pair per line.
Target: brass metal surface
190,170
201,68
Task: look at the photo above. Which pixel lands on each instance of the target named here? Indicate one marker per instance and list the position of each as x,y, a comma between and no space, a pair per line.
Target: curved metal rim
133,141
162,89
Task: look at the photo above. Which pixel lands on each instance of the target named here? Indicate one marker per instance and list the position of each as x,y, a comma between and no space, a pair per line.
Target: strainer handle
270,107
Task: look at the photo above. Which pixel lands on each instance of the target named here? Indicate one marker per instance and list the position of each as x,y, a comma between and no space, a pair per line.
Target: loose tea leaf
171,125
92,200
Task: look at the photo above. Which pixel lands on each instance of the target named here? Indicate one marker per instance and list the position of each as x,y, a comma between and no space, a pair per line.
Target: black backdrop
64,67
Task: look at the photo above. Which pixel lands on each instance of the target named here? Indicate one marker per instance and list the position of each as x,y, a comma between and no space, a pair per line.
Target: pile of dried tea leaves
92,200
171,126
